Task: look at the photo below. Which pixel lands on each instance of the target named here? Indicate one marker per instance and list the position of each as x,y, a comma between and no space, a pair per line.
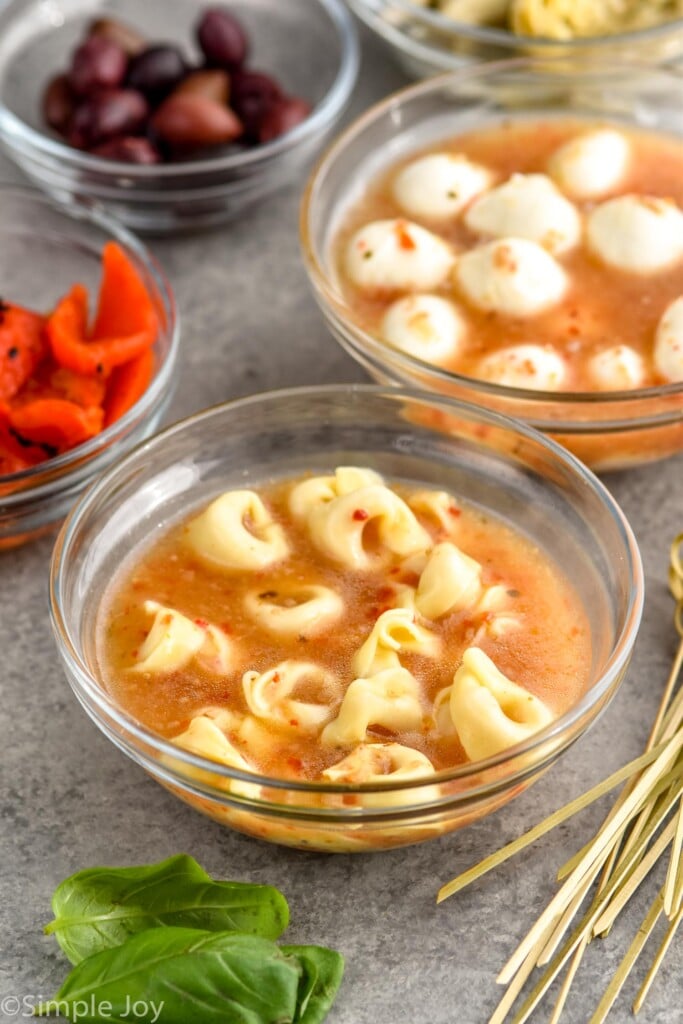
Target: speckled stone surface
69,799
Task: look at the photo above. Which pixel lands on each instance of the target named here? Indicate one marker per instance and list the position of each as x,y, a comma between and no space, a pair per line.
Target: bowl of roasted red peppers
88,340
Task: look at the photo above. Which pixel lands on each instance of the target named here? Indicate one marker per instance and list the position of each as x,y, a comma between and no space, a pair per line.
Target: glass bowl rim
384,353
12,127
504,37
88,686
92,213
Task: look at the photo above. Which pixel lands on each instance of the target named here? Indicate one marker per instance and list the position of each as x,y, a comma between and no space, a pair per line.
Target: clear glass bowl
309,45
608,430
45,248
502,467
426,42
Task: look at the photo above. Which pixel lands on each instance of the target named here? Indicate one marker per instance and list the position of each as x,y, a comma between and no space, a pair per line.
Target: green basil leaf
101,908
182,975
320,981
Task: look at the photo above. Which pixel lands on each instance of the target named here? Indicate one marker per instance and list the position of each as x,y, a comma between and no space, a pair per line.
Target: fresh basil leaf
101,908
182,975
322,974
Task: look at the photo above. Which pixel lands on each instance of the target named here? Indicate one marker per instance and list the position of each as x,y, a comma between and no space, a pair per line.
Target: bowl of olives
172,114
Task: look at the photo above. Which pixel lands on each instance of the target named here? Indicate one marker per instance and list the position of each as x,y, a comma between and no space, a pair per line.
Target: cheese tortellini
319,490
293,611
394,632
450,582
236,531
269,695
204,738
489,711
338,526
390,699
384,762
174,640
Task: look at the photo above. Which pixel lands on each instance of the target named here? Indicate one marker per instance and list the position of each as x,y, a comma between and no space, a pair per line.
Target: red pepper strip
70,347
22,347
52,381
13,455
127,384
124,306
55,422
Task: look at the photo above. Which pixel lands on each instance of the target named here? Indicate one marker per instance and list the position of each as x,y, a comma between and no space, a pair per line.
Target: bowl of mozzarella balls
518,243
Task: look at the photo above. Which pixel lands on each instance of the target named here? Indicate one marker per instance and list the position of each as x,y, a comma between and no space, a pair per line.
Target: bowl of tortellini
346,618
428,36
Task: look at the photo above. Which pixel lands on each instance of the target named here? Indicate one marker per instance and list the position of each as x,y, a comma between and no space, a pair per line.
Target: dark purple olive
222,38
98,63
58,104
157,71
284,115
128,150
252,95
106,115
130,41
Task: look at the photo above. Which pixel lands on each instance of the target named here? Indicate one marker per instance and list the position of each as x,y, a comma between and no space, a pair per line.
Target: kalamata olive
191,121
98,63
284,115
58,103
129,150
252,94
215,85
156,71
108,114
222,38
130,40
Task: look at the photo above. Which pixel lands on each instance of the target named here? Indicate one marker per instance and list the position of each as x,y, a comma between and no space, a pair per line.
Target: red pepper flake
294,722
405,239
226,627
295,762
384,593
453,510
276,677
202,623
360,515
134,653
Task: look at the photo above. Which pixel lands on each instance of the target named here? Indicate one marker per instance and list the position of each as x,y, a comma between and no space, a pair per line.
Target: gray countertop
69,799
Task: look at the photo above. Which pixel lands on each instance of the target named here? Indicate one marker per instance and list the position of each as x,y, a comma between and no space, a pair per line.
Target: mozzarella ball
439,185
394,254
642,234
424,326
527,206
512,276
524,366
668,354
618,368
591,164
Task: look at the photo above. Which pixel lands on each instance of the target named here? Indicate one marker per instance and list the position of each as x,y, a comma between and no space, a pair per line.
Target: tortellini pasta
384,762
390,699
319,490
337,527
489,711
236,531
450,582
269,695
437,505
204,738
394,632
307,609
174,640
